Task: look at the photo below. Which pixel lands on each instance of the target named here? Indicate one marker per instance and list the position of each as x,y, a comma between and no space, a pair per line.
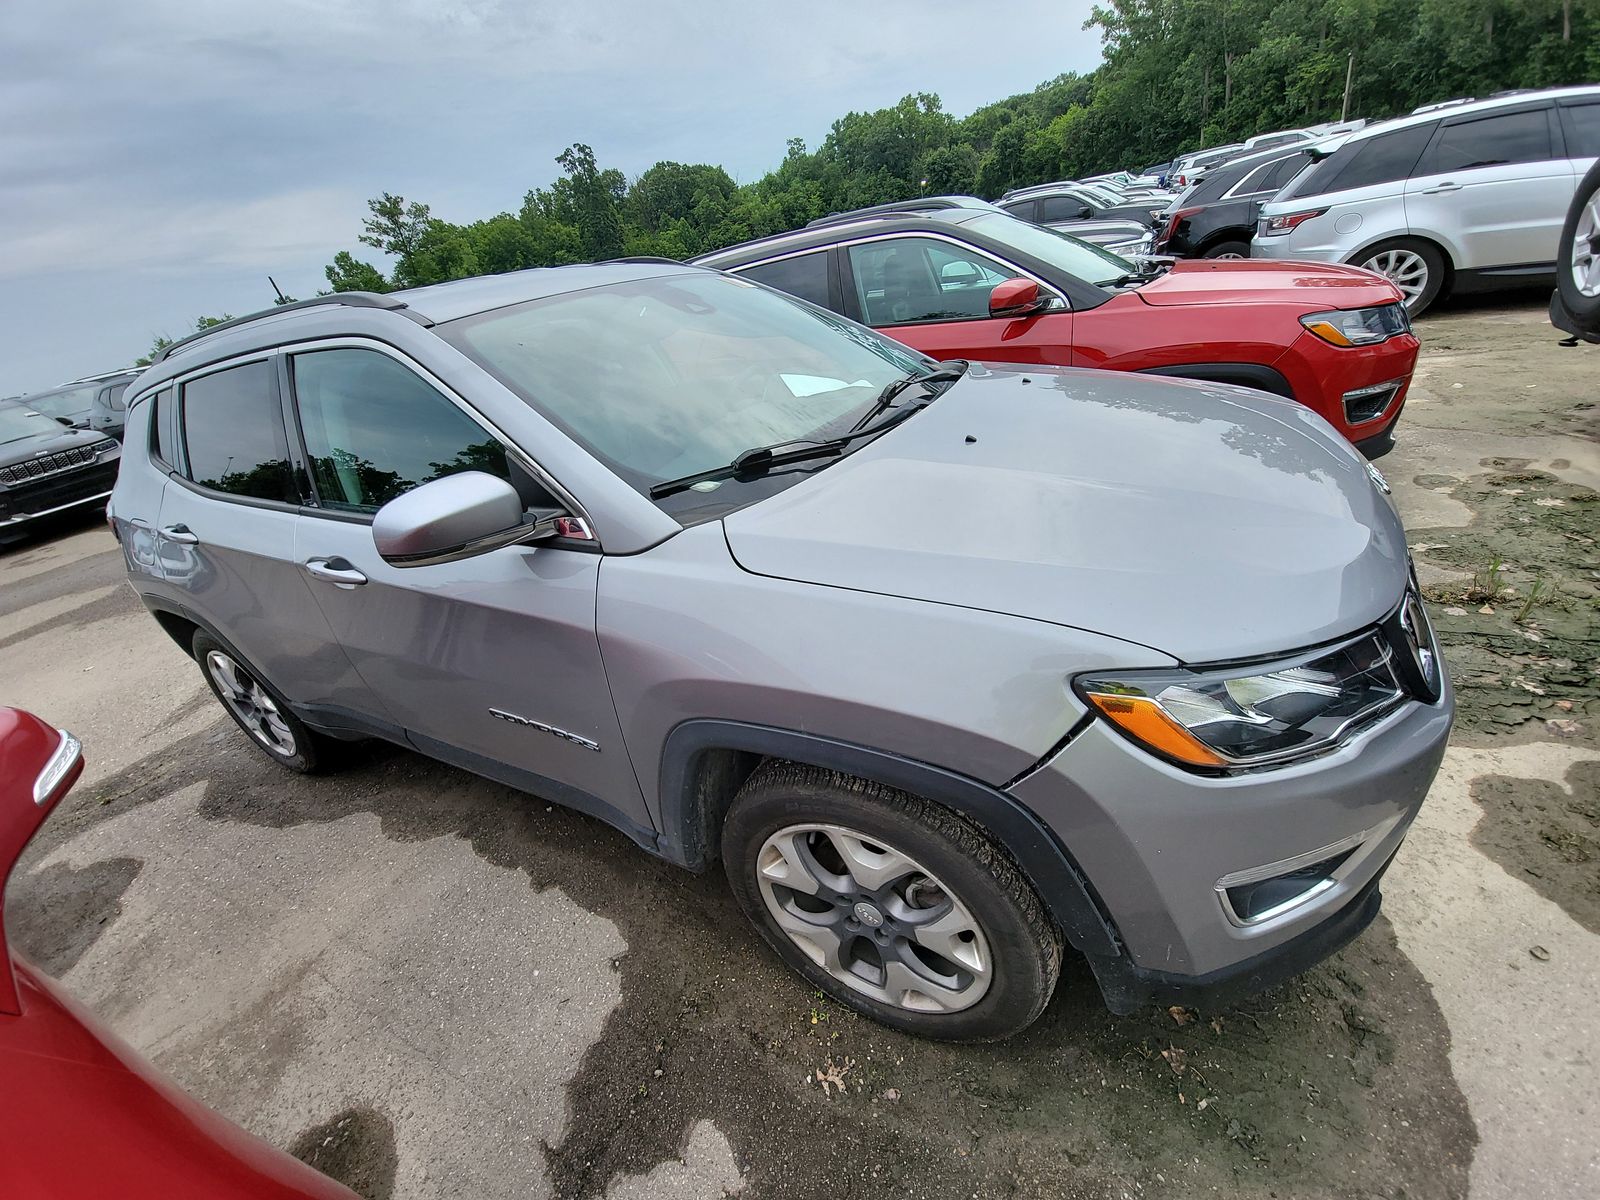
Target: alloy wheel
874,918
1230,254
248,701
1406,269
1586,248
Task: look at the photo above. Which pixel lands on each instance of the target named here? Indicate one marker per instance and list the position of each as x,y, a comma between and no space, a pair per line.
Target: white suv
1465,198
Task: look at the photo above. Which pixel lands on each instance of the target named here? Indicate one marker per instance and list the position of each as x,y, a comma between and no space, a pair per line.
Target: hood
1202,520
1253,281
52,438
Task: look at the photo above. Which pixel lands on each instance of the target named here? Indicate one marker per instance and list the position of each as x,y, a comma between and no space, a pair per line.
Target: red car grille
37,468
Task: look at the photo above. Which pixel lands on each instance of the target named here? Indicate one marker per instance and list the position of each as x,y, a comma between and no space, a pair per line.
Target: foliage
1176,75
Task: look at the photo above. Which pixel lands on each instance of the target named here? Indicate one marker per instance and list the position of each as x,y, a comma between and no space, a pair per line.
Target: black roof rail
644,258
347,299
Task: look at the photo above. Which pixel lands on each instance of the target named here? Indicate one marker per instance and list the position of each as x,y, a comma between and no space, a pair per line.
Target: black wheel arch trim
690,822
1252,375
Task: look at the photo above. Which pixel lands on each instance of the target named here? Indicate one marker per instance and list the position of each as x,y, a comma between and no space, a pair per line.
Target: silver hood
1202,520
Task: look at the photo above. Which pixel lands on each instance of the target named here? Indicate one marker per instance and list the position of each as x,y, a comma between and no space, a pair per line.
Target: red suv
979,284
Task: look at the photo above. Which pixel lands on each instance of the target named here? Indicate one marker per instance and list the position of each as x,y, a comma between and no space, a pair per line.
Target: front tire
259,711
1417,268
1231,249
891,905
1578,259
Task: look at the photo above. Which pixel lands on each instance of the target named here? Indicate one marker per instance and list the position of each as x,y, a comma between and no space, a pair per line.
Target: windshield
18,422
676,374
73,402
1073,255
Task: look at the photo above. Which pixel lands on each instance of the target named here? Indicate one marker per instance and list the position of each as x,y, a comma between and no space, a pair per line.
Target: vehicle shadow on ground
1336,1085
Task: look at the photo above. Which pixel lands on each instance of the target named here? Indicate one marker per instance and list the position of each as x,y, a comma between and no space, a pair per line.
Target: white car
1466,197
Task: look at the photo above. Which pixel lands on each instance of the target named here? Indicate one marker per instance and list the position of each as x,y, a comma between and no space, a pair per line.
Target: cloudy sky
159,158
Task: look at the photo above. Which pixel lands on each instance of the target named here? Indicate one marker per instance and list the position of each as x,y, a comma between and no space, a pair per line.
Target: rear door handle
179,534
335,570
1443,187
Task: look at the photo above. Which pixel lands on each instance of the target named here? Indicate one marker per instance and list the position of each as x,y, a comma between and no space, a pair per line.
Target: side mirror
456,517
1015,298
1085,212
38,765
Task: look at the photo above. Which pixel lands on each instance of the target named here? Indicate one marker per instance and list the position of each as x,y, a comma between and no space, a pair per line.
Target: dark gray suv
951,666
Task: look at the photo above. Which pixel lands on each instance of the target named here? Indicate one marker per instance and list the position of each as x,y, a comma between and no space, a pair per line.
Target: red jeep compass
976,283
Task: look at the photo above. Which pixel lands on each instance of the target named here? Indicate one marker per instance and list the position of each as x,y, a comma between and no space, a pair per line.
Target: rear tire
1416,267
260,712
891,905
1232,249
1578,259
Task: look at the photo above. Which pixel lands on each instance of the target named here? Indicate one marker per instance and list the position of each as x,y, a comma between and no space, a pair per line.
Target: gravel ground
428,985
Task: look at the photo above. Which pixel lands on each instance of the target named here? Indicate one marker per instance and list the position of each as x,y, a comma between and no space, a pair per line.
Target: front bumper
1156,844
56,493
1321,375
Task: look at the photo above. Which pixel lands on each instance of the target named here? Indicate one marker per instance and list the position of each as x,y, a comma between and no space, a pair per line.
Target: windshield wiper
947,372
759,460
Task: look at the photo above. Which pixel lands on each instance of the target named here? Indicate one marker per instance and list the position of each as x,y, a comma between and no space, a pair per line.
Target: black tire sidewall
1427,252
1585,309
1231,246
308,757
1025,954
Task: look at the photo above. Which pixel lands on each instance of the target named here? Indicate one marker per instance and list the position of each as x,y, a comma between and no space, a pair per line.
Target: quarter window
903,280
1493,141
233,433
374,430
805,275
161,439
1381,159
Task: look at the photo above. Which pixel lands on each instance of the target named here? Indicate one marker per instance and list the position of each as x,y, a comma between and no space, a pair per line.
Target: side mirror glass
456,517
1015,298
1085,212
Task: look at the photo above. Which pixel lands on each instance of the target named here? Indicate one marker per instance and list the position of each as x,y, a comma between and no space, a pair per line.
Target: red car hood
1252,281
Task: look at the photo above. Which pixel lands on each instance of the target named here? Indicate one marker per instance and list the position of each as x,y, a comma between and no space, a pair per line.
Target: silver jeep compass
951,666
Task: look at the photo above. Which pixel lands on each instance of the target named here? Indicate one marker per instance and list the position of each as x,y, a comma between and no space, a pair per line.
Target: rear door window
233,433
1491,141
1022,208
374,430
1062,208
805,275
1581,123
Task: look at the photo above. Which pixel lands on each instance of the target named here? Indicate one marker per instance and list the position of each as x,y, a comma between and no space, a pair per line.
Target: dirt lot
429,985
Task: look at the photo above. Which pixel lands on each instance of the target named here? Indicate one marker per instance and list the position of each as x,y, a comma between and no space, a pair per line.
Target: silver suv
951,666
1461,197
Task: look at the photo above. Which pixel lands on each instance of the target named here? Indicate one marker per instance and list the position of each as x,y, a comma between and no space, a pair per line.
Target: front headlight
1231,718
1358,326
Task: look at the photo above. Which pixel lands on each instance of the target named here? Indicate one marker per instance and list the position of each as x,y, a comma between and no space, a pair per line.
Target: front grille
49,464
57,489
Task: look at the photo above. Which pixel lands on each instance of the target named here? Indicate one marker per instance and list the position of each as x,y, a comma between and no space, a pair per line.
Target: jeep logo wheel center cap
868,915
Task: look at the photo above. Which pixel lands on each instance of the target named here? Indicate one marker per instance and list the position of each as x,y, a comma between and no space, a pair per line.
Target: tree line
1176,75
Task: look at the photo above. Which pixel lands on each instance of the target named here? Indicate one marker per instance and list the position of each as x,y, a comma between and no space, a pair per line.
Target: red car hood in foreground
82,1116
1258,281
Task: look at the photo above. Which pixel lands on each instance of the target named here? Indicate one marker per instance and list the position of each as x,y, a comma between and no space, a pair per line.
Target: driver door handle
335,570
179,534
1441,187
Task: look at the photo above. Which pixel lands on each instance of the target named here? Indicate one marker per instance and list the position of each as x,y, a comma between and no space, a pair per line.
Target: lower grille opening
1368,403
1254,902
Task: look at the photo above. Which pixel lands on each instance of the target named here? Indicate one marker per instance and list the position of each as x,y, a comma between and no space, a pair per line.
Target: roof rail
346,299
643,258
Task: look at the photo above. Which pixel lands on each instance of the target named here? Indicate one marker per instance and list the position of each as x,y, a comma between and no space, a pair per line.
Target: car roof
434,304
814,236
916,204
1454,108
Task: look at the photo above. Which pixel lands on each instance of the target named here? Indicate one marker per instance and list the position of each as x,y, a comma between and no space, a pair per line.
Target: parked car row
1463,195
